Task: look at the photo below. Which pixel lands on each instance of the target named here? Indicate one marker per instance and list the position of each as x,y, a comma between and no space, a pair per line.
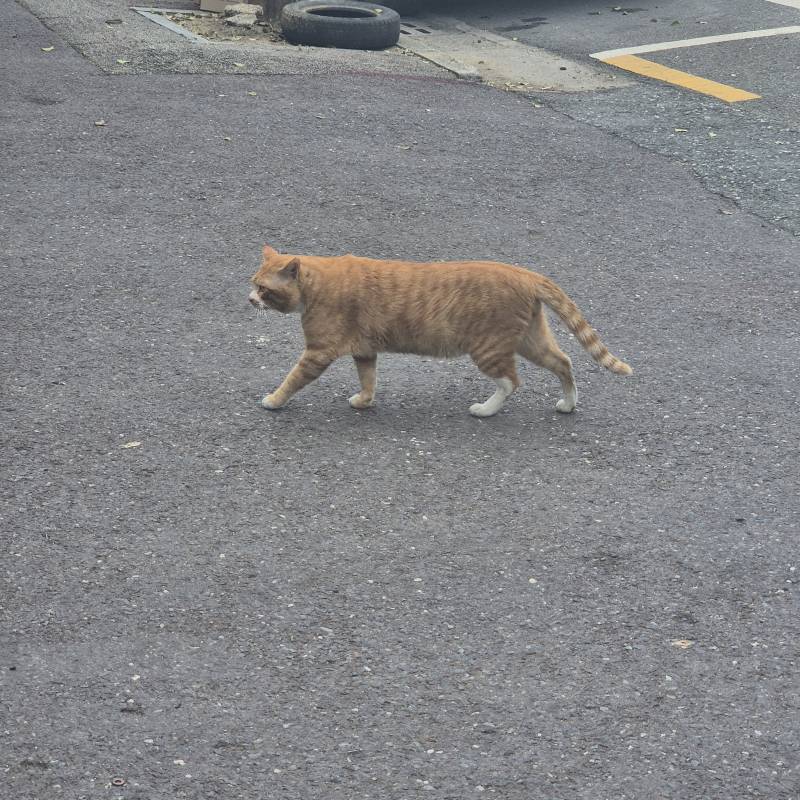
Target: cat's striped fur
361,307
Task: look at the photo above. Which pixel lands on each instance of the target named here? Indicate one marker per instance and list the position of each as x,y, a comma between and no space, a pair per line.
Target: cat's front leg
310,366
366,366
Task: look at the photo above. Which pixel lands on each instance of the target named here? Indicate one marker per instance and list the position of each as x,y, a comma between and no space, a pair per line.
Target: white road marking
791,3
725,37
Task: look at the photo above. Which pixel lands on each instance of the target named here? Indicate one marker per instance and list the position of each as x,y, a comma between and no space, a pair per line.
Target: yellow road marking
650,69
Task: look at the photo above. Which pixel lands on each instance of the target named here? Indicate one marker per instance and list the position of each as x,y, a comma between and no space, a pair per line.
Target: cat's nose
254,298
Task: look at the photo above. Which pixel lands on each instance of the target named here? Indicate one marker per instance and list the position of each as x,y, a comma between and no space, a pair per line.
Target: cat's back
400,284
392,274
426,307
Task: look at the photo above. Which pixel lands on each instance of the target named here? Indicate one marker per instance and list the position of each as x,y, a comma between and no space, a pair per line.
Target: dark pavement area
403,602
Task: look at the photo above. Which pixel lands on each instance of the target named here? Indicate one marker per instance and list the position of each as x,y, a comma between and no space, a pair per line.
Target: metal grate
410,29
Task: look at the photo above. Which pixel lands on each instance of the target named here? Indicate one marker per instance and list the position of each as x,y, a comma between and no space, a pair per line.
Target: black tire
342,23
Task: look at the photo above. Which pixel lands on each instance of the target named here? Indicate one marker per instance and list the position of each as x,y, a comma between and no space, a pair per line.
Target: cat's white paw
271,403
565,406
488,409
356,401
481,410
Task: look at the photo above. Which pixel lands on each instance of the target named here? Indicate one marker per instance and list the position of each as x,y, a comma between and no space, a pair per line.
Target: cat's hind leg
540,347
500,366
367,368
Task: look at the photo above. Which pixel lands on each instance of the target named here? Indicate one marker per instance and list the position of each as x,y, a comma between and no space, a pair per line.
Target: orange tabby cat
362,307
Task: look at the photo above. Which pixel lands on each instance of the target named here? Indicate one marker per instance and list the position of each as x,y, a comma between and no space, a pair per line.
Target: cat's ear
291,270
269,251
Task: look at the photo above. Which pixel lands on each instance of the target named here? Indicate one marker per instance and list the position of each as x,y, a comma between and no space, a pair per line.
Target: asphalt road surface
202,599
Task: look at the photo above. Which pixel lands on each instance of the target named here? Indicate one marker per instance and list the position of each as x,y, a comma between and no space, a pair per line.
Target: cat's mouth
256,300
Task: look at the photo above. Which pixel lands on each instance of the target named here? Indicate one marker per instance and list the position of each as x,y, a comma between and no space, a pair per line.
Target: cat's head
276,285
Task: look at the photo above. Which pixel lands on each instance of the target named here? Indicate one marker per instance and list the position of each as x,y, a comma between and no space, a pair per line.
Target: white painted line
791,3
724,37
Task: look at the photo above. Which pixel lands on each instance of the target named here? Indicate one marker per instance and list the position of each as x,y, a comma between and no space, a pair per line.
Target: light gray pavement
404,602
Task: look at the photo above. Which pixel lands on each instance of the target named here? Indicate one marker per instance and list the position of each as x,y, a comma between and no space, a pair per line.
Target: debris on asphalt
239,24
241,20
129,445
242,8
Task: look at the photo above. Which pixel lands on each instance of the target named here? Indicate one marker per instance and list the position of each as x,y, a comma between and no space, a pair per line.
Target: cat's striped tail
550,293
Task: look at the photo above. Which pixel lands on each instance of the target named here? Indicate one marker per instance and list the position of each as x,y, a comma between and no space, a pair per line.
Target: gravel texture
201,599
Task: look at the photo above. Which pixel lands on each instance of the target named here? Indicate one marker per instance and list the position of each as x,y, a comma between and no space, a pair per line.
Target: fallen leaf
253,94
129,445
48,49
123,61
100,123
682,643
238,64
